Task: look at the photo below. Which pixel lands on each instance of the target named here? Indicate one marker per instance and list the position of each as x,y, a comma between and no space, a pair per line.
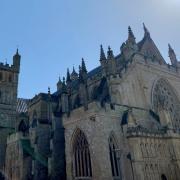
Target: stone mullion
74,164
80,161
84,160
78,169
114,164
88,162
90,166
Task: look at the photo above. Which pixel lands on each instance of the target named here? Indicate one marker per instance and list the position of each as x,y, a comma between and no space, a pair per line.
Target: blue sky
53,35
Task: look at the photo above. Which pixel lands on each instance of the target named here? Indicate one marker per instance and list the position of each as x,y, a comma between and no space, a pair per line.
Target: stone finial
49,90
102,54
146,31
172,56
131,37
110,54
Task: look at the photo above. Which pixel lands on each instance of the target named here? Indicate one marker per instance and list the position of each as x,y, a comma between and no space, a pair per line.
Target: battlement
7,67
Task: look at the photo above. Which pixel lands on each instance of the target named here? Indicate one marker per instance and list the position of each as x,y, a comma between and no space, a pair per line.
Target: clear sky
55,34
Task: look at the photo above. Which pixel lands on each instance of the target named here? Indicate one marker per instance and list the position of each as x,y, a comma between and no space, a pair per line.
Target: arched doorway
163,177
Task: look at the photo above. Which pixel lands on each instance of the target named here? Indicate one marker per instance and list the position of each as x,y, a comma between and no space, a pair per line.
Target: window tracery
114,158
166,104
81,158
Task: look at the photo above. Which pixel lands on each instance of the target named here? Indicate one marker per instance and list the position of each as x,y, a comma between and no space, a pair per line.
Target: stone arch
81,157
165,103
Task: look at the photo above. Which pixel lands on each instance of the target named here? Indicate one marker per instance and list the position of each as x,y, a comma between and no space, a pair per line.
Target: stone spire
68,78
102,54
74,74
146,32
110,54
17,60
172,56
131,37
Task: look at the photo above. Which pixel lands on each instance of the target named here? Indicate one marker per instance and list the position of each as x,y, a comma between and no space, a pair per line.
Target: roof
22,105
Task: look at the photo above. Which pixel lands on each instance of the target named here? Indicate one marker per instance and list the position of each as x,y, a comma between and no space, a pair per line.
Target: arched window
81,157
163,177
114,158
166,104
22,126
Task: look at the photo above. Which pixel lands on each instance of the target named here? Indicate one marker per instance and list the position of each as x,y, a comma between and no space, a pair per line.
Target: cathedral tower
8,98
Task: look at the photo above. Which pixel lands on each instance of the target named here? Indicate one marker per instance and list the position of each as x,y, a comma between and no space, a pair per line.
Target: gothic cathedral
120,121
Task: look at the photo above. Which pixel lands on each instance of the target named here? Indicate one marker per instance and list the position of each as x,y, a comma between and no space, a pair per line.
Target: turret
172,56
17,61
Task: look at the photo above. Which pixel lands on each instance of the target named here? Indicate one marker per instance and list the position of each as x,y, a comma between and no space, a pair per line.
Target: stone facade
119,121
8,97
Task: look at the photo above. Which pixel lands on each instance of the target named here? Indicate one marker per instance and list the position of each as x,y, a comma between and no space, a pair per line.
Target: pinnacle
146,31
110,54
102,54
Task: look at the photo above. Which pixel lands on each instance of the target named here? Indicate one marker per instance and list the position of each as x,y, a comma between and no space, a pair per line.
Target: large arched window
82,169
166,104
114,153
163,177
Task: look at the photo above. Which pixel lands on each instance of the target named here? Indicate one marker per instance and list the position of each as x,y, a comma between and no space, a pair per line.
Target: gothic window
114,158
22,127
166,104
163,177
81,158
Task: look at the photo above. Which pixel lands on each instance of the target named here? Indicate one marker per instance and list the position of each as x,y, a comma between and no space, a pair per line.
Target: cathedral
119,121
